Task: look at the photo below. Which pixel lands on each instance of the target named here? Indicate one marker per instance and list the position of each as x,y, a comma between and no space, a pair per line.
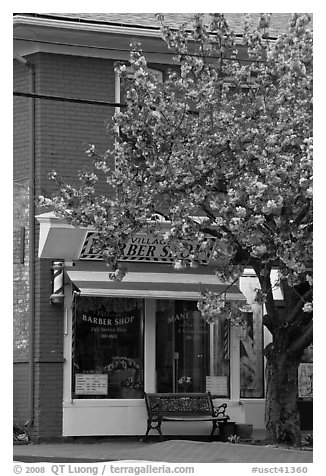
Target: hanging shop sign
148,248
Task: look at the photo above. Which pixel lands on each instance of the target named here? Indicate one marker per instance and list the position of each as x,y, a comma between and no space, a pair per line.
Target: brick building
65,90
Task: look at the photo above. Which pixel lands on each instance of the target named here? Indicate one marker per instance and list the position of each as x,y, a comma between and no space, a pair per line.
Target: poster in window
305,380
217,385
251,356
91,384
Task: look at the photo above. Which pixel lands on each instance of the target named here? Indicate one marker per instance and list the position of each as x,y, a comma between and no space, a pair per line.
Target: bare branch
298,307
268,323
303,340
267,289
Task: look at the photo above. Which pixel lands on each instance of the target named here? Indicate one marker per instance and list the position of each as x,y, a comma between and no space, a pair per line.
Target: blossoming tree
222,147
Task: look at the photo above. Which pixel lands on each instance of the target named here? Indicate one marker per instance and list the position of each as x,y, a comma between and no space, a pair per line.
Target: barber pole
226,337
57,295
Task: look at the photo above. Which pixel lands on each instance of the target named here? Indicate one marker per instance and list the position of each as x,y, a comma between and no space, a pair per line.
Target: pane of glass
191,355
165,369
191,347
217,382
251,355
107,350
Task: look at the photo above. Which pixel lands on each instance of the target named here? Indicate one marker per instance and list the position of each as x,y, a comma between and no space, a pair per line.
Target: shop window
107,348
191,355
251,355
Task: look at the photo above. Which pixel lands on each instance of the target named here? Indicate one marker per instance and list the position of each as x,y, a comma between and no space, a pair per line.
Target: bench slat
202,418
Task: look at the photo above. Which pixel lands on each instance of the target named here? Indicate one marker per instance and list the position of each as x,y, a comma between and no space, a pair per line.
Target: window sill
116,402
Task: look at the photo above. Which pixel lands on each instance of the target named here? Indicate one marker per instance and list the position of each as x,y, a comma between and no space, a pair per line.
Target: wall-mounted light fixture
57,296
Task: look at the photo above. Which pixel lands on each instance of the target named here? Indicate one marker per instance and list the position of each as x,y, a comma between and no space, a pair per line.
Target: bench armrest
220,411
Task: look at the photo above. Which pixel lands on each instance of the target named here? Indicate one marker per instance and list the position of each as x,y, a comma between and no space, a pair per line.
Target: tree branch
302,214
267,289
298,307
268,323
303,340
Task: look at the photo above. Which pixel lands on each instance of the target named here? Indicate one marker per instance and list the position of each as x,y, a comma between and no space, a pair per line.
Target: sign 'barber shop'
148,248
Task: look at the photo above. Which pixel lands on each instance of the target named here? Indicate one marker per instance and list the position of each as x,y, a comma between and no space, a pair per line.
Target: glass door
191,355
191,344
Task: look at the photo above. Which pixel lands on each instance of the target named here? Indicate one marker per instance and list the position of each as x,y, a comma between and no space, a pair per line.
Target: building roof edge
91,26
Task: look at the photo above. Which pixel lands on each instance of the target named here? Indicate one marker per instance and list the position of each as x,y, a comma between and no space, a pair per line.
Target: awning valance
152,285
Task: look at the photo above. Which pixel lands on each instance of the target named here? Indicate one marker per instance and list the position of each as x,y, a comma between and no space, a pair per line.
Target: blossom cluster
122,363
184,380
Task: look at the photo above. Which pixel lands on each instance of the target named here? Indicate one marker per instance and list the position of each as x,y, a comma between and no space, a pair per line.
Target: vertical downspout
117,99
31,248
32,243
117,90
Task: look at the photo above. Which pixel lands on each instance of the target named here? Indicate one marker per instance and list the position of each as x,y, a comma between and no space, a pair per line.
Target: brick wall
20,271
63,130
20,303
67,128
20,247
48,357
20,392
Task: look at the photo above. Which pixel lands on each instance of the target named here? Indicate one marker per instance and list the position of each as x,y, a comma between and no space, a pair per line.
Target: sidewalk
172,451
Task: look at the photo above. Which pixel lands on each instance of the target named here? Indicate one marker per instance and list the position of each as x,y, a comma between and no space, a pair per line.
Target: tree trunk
282,417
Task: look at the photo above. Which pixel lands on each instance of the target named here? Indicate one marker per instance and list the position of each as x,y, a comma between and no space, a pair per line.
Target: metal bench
183,407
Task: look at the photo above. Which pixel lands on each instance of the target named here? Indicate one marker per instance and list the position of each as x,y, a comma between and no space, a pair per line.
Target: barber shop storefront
146,334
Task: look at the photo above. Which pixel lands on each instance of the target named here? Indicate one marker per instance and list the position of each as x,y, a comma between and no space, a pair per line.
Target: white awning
152,285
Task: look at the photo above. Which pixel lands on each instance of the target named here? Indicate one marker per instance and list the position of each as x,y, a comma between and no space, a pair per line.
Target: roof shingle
279,21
